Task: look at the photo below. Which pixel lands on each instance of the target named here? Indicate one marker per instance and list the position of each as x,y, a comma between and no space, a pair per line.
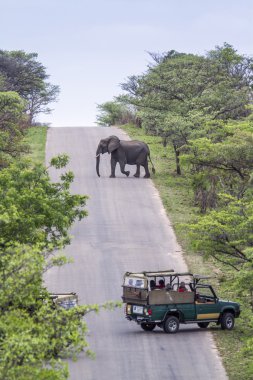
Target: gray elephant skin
125,152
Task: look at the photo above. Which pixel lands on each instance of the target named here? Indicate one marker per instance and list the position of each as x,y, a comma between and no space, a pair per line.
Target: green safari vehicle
167,299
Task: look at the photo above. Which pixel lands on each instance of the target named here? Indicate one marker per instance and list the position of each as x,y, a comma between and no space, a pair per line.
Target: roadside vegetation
195,113
36,139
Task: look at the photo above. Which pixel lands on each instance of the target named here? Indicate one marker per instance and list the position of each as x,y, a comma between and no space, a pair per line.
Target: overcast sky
89,47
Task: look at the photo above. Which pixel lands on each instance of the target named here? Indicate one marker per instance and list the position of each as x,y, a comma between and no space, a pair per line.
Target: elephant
125,152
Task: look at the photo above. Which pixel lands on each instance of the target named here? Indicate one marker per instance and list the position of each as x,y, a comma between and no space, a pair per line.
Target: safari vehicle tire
227,321
171,325
203,325
148,326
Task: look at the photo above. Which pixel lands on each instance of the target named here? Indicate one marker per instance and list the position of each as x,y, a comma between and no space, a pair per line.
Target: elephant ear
113,144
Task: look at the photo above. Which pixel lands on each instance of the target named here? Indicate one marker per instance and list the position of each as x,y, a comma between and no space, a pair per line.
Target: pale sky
90,47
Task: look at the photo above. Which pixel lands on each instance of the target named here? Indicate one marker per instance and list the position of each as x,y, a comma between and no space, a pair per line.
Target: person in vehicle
161,284
182,287
152,285
168,286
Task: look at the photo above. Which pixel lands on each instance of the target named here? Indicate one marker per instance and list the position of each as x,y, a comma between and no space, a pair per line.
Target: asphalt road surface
126,230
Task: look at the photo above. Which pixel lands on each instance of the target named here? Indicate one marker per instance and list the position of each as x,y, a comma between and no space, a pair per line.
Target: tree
35,210
12,127
221,162
25,75
112,113
35,216
226,234
184,91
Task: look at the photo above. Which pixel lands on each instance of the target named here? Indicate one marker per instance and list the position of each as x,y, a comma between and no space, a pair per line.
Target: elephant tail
153,168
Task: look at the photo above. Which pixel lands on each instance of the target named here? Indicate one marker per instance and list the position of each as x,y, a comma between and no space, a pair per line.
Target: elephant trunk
98,160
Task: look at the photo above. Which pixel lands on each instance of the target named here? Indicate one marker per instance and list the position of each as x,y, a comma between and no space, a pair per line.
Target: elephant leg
122,168
113,166
137,174
147,173
142,161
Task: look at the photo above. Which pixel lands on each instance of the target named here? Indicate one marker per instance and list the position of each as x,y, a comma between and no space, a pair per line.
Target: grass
177,197
36,139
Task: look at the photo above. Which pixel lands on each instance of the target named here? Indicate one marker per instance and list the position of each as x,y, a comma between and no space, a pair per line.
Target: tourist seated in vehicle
161,284
182,287
152,284
168,286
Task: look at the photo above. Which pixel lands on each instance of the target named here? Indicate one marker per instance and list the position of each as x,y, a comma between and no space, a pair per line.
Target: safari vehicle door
207,305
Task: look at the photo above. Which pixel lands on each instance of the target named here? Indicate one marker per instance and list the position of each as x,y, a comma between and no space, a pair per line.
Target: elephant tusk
97,155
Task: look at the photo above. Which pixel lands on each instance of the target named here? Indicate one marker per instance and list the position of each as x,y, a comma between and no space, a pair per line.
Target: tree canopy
22,73
181,92
35,215
113,113
12,127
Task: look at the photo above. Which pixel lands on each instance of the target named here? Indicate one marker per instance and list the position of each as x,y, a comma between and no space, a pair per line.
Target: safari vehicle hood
230,303
234,305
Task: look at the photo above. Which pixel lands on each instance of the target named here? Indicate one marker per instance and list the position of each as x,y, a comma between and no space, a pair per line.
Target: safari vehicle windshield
205,292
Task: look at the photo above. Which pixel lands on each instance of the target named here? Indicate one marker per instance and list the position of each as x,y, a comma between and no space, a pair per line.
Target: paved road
127,229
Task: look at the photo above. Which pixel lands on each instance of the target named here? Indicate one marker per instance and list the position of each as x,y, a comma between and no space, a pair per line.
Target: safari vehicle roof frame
150,274
168,273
